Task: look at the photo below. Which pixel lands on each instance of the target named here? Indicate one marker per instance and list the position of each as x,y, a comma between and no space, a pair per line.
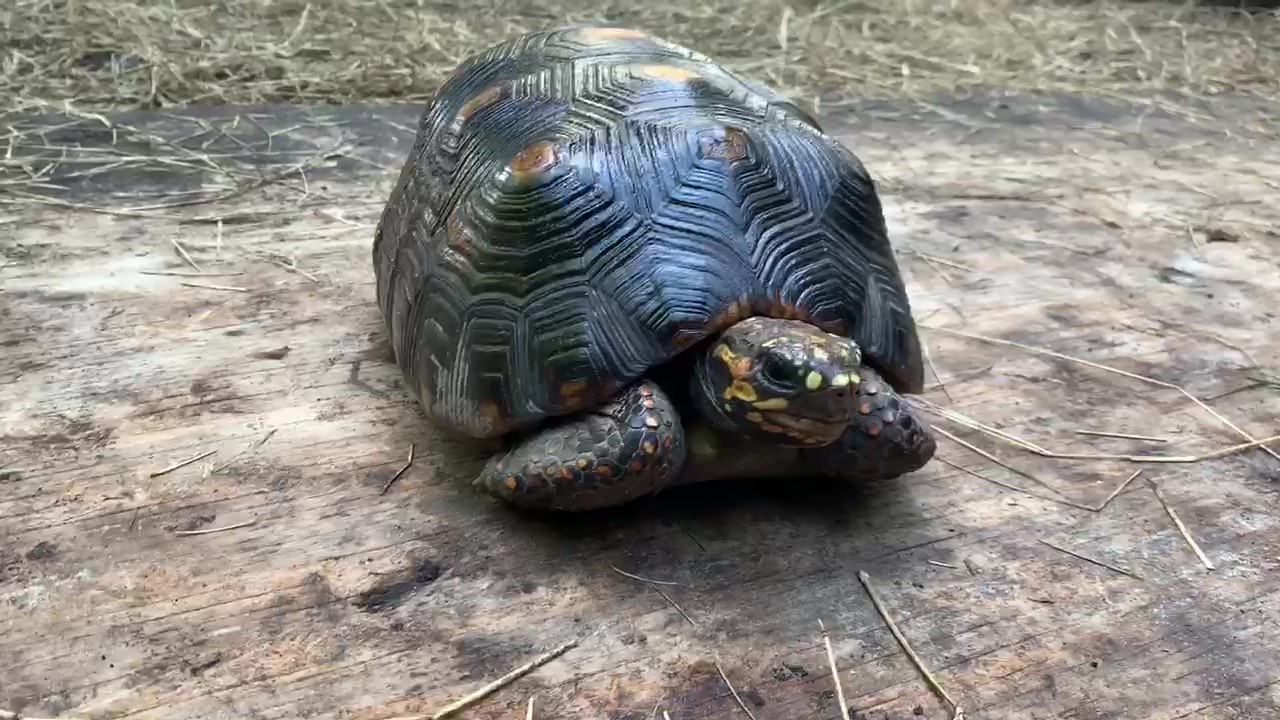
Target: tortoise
633,269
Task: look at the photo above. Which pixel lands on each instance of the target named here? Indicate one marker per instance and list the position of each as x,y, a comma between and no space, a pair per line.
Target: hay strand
1251,441
930,680
835,672
1089,559
734,692
492,687
181,464
403,468
1182,529
221,528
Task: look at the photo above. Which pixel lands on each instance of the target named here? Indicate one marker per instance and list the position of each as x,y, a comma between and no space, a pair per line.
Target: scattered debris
181,464
835,672
251,446
674,605
1126,436
274,353
1038,450
1095,561
185,255
642,579
956,712
496,685
928,358
223,528
1186,534
1252,442
733,692
210,286
408,464
183,273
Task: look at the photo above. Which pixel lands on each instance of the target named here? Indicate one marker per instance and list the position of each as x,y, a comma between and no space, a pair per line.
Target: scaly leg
631,446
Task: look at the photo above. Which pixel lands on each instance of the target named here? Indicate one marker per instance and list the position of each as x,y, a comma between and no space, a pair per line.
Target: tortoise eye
779,372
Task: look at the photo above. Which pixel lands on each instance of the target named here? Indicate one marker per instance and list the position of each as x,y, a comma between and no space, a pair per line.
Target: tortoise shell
584,203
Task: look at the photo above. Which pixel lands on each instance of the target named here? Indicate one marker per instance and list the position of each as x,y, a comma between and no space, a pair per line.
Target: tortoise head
783,381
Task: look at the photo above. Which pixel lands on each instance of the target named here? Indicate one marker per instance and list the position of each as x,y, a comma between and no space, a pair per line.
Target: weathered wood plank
1048,222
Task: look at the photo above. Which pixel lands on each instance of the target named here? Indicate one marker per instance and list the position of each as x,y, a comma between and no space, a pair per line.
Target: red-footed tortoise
643,270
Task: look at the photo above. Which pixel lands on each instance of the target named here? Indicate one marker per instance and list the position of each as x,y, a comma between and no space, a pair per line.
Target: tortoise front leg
886,438
632,446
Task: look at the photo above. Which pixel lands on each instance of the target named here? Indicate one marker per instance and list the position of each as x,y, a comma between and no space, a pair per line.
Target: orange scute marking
535,158
668,72
491,412
485,97
456,233
726,144
571,392
600,34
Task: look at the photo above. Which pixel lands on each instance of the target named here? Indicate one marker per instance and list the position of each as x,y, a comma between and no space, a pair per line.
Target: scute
583,203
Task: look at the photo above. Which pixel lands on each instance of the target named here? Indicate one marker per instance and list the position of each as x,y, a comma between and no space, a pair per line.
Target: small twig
929,679
1015,488
657,706
1126,436
250,446
208,286
944,261
928,358
942,564
733,692
995,460
224,528
929,261
1233,391
1095,561
183,252
528,714
180,273
483,692
1119,489
642,579
408,464
972,424
666,715
1195,242
1186,534
180,464
835,673
674,605
1105,368
1029,446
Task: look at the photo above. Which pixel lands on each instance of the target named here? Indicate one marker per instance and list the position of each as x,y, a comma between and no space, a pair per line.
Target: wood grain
338,602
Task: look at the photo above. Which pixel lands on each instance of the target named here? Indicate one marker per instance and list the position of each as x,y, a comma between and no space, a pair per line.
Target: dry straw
119,53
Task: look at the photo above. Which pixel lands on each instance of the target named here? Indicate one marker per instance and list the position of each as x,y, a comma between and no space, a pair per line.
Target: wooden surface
1070,219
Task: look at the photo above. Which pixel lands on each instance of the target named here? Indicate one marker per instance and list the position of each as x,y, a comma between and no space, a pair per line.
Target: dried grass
112,54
